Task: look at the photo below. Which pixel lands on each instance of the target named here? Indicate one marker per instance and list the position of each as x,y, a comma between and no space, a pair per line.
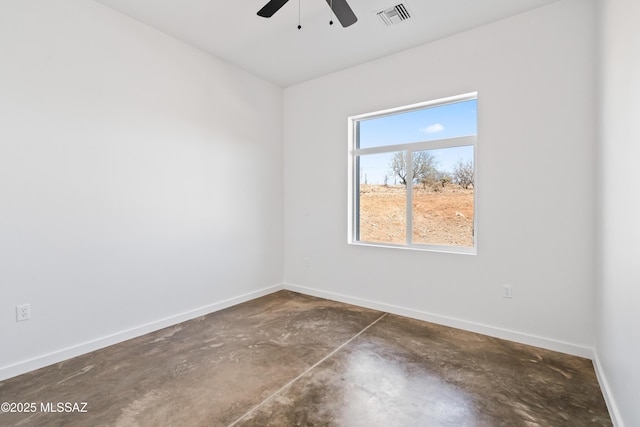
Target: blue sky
446,121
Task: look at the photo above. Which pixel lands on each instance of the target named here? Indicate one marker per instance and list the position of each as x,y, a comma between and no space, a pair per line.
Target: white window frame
410,148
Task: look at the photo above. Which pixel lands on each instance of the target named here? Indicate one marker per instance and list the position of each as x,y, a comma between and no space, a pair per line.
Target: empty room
319,213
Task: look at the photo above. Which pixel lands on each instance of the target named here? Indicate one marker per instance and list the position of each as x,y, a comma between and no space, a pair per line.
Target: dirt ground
439,218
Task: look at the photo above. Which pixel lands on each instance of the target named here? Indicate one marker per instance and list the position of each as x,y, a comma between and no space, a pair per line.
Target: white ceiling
276,50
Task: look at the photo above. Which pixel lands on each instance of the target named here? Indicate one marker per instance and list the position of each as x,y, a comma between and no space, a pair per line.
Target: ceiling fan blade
343,12
272,7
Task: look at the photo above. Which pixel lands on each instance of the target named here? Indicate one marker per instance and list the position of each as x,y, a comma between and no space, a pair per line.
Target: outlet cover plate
23,312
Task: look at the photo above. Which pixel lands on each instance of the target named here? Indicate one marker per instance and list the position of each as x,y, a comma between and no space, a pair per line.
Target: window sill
422,248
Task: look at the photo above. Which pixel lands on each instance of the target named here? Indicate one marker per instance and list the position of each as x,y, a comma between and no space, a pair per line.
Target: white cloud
437,127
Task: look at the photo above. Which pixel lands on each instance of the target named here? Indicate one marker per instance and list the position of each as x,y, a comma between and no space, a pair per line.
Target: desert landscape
442,217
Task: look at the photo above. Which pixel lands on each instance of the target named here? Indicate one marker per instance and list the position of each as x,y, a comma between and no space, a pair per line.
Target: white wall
140,180
618,341
535,74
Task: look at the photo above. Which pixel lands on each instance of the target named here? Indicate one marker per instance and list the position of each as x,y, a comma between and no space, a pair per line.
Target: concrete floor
294,360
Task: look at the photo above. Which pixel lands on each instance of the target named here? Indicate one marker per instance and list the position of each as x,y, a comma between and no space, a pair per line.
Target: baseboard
616,419
550,344
89,346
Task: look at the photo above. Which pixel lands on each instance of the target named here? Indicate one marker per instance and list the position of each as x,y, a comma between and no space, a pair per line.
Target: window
412,176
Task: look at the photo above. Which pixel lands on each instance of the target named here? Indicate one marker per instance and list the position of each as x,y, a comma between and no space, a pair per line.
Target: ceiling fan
339,7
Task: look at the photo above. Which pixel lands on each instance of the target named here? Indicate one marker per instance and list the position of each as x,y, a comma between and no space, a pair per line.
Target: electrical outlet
307,262
506,291
23,312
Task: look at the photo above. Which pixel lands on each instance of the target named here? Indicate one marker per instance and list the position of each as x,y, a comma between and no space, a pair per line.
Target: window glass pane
444,121
443,197
413,184
382,201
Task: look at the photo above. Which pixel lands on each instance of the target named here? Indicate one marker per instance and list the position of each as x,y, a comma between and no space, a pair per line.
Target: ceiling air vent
395,14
